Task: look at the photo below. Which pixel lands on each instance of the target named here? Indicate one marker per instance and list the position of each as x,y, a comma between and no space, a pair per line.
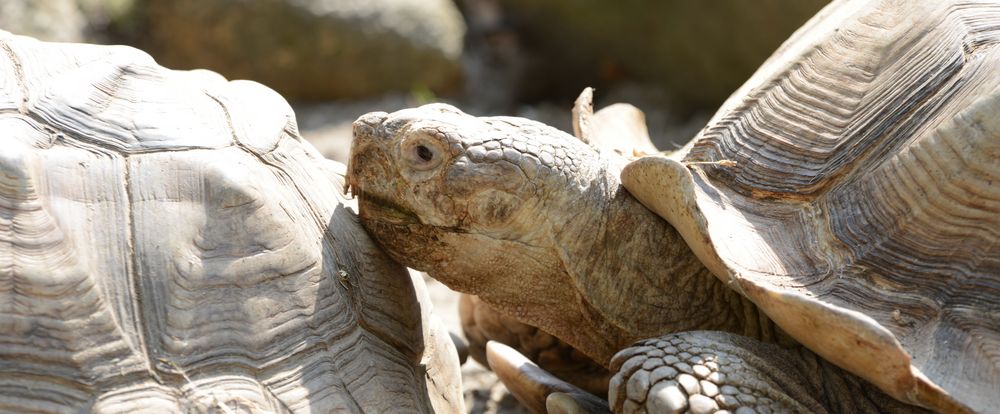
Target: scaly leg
707,371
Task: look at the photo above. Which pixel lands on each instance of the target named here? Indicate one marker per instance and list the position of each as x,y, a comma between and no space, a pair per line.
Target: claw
619,128
583,112
562,403
535,388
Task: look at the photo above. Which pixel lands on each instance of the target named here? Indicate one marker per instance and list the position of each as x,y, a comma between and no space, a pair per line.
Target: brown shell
863,210
168,243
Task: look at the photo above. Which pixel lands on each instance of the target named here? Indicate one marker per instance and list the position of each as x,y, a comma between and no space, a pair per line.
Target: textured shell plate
169,243
863,215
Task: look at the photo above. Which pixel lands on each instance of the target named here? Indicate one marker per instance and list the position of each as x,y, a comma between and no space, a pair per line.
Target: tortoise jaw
375,208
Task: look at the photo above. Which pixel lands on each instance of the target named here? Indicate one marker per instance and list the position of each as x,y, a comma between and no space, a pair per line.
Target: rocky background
337,59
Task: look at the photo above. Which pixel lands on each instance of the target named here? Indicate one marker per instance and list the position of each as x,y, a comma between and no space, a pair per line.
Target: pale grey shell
858,201
168,243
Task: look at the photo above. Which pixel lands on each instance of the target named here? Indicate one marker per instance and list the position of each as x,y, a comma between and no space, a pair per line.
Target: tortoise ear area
494,209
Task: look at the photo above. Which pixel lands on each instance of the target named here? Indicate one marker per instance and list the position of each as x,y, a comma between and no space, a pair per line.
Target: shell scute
863,211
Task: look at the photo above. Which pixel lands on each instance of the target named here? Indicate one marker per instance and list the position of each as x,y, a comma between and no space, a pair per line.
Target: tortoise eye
425,153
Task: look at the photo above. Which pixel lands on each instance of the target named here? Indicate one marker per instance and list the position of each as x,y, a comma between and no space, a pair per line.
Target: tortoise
481,323
170,243
827,243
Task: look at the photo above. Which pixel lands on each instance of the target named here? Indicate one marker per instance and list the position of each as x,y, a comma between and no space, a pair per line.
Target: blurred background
336,59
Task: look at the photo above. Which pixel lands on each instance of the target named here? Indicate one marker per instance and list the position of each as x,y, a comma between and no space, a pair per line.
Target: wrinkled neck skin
541,229
637,274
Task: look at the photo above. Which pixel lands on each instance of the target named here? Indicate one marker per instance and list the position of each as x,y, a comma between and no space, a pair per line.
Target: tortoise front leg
708,371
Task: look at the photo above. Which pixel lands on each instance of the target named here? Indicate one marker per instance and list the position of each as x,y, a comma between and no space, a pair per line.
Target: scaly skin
706,371
537,224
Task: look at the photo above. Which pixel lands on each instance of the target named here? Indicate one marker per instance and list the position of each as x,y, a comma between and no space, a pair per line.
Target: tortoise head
529,218
488,206
444,191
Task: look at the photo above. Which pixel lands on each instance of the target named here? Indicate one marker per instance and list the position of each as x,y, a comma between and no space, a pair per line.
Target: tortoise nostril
366,124
373,118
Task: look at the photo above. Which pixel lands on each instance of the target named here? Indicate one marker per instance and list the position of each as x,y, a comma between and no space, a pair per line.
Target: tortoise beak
364,135
370,173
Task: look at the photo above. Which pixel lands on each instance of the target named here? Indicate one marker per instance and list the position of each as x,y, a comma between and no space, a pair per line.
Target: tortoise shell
863,210
169,243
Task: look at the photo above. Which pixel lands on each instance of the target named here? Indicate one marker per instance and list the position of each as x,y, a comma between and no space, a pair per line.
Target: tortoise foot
707,371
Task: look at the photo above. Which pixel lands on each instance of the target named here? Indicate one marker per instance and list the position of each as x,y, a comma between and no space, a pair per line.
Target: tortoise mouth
416,245
375,208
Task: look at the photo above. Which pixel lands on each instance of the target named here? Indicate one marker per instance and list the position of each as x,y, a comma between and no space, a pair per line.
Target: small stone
729,390
476,153
763,409
661,373
696,359
727,368
666,397
689,383
546,158
615,390
652,364
654,353
519,145
511,155
701,404
736,377
716,377
628,353
709,389
491,145
637,386
631,406
529,165
684,367
712,365
755,384
723,412
727,401
631,365
745,410
684,356
494,155
670,360
746,399
701,371
506,142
